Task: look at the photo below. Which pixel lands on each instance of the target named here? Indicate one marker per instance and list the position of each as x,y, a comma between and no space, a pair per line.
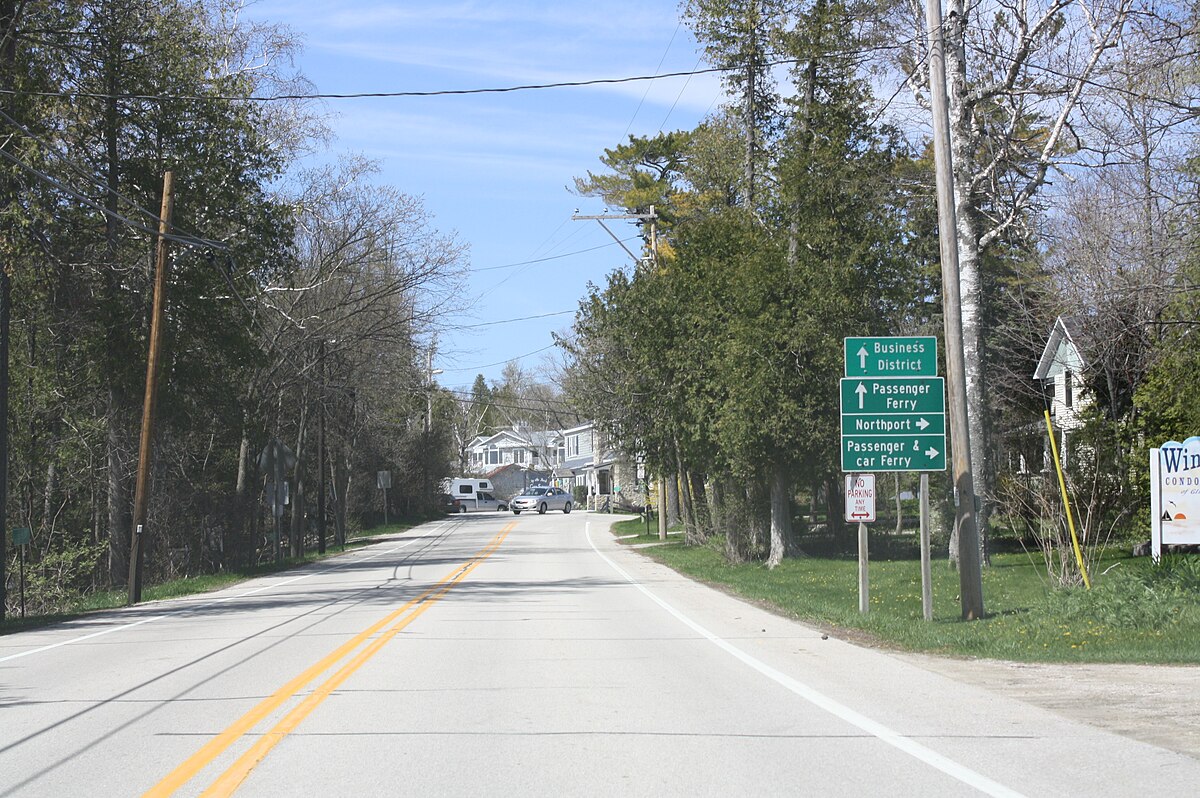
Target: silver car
541,499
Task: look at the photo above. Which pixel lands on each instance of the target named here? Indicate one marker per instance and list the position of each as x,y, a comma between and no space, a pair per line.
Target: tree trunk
243,463
781,516
299,516
685,501
899,507
699,493
833,508
970,281
118,497
673,516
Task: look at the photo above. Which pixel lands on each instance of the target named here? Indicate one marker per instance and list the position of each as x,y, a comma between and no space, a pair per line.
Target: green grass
1134,613
192,585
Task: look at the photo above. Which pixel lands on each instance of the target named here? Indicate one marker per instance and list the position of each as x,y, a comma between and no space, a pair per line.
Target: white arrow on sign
931,453
862,358
922,423
861,390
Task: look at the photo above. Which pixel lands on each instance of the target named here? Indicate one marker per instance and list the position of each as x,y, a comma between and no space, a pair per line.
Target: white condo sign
1175,494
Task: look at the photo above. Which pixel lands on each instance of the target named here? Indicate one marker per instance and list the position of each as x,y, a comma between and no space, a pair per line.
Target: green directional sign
893,452
902,395
914,356
893,423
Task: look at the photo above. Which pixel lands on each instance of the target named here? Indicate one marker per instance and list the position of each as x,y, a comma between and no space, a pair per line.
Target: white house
1060,370
507,447
575,457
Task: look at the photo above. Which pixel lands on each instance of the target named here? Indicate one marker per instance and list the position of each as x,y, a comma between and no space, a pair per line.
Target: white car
541,499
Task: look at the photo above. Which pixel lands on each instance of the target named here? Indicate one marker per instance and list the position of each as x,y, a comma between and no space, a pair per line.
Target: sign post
860,507
383,480
893,419
21,535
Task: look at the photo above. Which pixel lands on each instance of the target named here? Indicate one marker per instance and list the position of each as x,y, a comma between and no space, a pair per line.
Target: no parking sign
860,498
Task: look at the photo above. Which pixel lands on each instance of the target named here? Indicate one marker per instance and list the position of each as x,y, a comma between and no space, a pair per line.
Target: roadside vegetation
53,605
1136,612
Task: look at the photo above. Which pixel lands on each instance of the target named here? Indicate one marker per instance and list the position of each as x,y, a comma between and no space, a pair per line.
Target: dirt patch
1156,704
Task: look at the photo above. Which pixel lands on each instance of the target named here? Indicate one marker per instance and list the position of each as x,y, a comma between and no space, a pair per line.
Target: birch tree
1018,73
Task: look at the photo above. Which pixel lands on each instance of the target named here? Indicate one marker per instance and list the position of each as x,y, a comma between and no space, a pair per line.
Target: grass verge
1136,612
191,585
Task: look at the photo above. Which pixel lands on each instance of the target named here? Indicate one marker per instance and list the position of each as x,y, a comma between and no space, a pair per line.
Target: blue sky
495,168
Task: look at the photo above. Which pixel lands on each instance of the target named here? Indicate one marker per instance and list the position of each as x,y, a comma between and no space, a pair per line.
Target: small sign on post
383,480
21,535
860,498
860,507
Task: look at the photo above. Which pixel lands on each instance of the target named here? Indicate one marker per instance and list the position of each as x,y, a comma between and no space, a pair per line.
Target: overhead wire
178,236
649,85
566,84
502,362
507,321
549,257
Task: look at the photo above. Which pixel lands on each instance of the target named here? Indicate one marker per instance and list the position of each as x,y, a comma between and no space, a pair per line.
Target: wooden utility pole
970,576
141,498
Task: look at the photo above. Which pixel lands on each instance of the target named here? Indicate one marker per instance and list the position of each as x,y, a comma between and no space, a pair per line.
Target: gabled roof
1066,329
501,435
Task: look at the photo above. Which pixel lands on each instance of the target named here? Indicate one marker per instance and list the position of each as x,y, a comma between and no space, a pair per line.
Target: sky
496,169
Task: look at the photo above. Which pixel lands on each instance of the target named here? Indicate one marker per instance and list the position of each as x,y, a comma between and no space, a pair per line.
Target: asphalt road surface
496,655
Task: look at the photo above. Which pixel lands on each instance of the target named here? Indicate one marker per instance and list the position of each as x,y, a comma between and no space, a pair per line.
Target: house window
1068,392
493,456
573,446
519,456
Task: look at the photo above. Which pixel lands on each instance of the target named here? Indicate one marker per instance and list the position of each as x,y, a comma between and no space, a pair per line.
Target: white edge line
874,728
81,639
123,627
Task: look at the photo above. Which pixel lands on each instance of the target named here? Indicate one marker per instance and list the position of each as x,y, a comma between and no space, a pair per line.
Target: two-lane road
501,655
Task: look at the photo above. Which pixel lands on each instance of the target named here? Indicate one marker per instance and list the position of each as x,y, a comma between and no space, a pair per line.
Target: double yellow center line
228,781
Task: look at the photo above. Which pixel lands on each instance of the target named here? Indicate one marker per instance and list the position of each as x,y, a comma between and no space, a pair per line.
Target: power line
646,93
190,240
89,202
502,362
550,257
567,84
509,321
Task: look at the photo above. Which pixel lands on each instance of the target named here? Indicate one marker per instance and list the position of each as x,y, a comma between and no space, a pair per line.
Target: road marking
927,755
189,606
186,771
20,654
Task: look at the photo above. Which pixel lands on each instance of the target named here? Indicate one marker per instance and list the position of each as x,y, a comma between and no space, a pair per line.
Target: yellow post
1062,485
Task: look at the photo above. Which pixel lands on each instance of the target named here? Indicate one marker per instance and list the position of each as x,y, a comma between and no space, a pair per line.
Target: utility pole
142,494
645,217
429,371
321,453
970,575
